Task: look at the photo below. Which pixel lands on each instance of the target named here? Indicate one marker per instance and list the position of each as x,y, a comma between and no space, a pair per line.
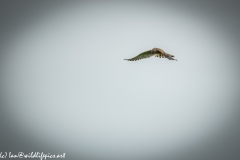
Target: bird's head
154,50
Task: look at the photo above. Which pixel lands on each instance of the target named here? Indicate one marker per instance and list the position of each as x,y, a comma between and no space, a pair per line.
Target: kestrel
155,51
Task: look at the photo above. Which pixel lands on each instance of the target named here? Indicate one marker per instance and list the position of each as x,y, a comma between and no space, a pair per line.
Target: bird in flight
155,51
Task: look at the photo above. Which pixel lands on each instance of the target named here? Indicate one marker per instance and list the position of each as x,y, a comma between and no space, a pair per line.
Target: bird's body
155,51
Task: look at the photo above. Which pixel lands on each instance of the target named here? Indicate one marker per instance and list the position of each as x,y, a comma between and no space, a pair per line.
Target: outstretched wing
143,55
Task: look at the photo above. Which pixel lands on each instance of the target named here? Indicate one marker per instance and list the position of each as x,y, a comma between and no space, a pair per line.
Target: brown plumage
155,51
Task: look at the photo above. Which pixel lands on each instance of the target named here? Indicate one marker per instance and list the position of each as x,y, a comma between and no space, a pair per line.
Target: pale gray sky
67,86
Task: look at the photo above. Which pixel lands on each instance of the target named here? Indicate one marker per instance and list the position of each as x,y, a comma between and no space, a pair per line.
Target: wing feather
142,55
160,55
